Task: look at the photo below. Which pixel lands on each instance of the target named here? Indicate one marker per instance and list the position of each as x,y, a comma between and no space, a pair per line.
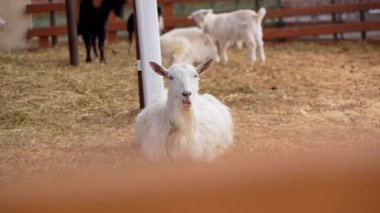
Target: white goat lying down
2,23
228,28
185,125
187,45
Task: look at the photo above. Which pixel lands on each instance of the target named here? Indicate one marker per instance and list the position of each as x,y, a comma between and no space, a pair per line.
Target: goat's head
183,80
199,16
117,6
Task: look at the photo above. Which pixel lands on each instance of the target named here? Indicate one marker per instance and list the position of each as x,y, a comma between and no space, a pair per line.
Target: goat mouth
186,102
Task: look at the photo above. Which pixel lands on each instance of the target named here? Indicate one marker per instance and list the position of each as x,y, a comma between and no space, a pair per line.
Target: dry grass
306,97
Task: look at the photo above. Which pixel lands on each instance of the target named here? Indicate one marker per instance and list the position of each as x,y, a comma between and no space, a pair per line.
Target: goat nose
186,93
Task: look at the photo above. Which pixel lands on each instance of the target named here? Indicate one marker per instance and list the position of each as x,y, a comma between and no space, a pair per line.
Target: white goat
187,45
2,23
228,28
184,125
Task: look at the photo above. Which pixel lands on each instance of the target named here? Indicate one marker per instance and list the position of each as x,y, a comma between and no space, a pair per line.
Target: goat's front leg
223,45
93,41
131,42
261,51
87,42
251,44
260,45
102,39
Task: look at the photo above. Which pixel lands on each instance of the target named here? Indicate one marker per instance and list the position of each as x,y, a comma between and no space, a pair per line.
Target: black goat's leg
93,40
87,42
102,39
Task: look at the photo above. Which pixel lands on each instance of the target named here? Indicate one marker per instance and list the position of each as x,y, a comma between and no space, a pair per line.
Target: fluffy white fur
184,125
188,46
2,23
228,28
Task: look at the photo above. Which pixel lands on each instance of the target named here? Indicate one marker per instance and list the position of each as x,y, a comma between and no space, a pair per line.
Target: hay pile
305,97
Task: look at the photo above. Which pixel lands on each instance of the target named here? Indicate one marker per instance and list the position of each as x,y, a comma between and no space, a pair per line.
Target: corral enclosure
287,19
306,97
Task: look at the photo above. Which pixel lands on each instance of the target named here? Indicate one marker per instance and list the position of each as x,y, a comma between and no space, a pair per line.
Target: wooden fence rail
172,21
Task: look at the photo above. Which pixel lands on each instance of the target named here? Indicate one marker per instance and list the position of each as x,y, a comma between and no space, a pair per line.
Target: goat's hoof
88,60
217,59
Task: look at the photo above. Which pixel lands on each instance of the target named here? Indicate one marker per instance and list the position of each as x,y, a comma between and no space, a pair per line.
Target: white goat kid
2,24
228,28
184,126
188,46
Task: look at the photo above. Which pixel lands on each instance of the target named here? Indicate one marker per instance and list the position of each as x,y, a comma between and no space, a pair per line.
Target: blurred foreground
317,183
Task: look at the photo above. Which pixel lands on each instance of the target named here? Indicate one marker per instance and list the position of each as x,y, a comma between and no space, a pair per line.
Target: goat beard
187,122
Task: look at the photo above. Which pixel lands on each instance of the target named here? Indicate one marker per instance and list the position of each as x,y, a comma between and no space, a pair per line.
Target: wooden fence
276,31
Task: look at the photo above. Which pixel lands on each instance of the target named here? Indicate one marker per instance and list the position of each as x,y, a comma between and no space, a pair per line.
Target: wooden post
54,38
168,11
280,22
334,20
72,32
257,5
138,59
362,19
43,41
111,35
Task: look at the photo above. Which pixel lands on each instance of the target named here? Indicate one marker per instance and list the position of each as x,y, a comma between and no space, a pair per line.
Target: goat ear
159,69
205,65
191,16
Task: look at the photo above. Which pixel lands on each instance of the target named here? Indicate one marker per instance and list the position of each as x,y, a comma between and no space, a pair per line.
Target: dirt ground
305,98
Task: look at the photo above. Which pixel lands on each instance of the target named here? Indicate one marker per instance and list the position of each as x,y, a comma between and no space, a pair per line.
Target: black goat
131,26
92,24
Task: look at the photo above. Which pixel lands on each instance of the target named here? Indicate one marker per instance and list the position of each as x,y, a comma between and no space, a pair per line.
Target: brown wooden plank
112,34
272,33
172,22
186,1
61,30
117,26
45,7
324,29
324,9
43,42
47,31
168,8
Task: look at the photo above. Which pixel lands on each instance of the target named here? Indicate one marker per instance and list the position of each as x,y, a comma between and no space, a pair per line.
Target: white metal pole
149,41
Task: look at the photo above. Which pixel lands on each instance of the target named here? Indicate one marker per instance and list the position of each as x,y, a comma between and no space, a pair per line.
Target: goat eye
171,77
195,76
